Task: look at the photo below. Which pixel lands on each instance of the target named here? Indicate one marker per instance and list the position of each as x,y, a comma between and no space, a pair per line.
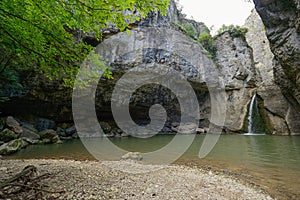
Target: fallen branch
27,172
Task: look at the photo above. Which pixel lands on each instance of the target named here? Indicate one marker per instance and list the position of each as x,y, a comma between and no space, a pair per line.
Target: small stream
272,161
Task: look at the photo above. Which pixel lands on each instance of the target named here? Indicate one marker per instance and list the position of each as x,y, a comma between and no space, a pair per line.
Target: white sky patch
217,12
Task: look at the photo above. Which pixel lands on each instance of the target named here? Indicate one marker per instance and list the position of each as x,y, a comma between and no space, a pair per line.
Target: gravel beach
128,180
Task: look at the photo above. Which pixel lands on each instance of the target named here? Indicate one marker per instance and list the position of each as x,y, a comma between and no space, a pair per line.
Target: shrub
234,31
208,43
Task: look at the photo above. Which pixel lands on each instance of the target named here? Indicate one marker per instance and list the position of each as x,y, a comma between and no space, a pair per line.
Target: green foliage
190,31
38,35
234,31
207,42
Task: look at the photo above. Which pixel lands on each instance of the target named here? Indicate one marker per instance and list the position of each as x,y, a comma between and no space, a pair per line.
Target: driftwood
26,173
26,185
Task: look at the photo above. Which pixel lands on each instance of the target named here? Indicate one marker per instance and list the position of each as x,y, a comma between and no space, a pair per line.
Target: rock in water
7,135
187,128
12,146
2,124
133,156
70,131
30,134
49,136
13,125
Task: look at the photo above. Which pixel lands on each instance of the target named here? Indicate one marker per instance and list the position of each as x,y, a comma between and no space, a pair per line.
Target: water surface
272,161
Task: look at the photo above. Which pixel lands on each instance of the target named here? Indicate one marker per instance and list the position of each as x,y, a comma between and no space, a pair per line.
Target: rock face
236,65
282,22
279,110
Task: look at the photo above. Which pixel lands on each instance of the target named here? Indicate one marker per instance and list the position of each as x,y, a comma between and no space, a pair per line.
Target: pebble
104,181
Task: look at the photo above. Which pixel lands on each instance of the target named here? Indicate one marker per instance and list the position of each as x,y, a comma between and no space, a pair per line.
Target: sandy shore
104,180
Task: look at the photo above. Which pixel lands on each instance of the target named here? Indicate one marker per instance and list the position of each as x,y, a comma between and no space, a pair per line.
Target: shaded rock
7,135
105,127
29,126
137,156
61,132
75,135
49,136
66,138
276,107
2,124
30,134
44,124
70,131
12,124
281,19
12,146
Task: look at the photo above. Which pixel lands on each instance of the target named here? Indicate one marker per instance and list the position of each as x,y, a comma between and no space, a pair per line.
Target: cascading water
252,106
255,122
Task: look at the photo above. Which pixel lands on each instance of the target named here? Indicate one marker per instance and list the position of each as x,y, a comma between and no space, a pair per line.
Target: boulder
44,124
137,156
49,136
70,131
200,130
61,132
12,146
12,124
105,127
2,124
30,134
187,128
7,135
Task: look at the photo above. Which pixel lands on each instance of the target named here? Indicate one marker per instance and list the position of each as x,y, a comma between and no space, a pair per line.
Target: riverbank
103,180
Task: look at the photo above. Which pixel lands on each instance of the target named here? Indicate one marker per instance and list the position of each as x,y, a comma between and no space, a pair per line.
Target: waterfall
250,116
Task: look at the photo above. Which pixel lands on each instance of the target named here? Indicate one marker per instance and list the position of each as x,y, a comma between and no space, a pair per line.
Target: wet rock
12,124
137,156
7,135
70,131
61,132
44,124
49,136
105,127
75,135
2,124
12,146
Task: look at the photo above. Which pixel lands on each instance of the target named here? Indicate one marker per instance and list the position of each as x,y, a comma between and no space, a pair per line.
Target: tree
38,35
208,43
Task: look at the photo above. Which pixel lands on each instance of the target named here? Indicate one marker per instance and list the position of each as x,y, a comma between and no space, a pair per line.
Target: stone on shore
12,146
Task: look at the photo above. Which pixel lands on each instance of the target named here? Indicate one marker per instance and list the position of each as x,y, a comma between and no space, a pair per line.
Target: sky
217,12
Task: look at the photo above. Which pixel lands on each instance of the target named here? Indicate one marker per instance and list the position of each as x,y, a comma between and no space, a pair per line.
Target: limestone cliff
235,62
281,21
170,42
